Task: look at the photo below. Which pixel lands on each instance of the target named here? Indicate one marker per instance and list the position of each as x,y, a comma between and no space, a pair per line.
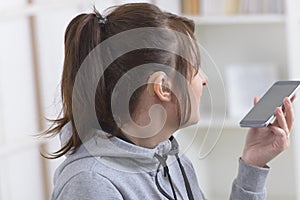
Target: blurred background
251,44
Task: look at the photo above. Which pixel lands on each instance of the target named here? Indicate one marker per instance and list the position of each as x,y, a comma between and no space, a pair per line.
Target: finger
293,98
275,123
281,120
283,109
289,113
256,99
280,133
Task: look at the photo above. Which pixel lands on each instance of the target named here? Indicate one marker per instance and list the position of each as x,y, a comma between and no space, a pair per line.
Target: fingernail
278,110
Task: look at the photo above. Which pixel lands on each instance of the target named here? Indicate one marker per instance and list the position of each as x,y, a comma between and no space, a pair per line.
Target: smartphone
263,113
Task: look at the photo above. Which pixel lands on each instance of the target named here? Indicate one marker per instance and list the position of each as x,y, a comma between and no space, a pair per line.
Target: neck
147,142
152,123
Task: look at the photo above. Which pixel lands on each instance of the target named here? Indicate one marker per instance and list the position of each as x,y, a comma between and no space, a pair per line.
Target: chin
195,121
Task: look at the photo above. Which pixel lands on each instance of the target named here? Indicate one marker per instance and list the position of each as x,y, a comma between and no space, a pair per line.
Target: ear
162,88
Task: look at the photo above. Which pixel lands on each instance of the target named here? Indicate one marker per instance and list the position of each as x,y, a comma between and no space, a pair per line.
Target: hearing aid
151,81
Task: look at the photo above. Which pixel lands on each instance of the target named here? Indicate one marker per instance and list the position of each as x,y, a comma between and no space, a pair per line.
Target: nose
204,78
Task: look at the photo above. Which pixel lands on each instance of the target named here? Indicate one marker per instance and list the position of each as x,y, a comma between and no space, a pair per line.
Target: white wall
21,175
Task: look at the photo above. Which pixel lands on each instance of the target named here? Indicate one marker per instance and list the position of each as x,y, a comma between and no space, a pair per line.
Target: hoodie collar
119,154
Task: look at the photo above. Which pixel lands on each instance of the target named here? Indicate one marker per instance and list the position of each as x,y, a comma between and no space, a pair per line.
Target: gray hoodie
113,168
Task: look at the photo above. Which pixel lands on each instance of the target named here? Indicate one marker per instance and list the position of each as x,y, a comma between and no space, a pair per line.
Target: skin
261,146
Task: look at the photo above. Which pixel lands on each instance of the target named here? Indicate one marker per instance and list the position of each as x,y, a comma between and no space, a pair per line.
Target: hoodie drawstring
162,160
186,181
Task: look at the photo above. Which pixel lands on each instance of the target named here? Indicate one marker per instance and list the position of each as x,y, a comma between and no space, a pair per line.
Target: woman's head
86,31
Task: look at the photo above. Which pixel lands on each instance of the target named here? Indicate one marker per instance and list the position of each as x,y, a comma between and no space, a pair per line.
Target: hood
119,154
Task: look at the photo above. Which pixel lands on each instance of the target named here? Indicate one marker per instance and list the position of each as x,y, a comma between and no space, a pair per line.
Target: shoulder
89,185
90,182
82,179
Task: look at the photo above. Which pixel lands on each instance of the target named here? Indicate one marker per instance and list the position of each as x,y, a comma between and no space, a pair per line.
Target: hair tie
102,20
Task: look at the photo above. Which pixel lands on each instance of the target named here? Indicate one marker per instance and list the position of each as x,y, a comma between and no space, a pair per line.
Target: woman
130,80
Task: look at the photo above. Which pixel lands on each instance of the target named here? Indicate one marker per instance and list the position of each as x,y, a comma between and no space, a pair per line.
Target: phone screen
273,98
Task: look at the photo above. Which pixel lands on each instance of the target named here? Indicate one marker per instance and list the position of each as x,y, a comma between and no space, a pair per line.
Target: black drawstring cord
160,188
162,161
186,181
171,183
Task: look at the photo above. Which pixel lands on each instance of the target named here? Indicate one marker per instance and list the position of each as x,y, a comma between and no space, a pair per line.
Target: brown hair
85,32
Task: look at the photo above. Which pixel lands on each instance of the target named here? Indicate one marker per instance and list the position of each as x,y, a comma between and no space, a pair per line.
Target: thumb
256,99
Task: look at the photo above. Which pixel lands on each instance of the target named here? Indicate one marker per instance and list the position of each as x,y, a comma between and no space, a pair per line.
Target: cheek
199,92
197,88
195,96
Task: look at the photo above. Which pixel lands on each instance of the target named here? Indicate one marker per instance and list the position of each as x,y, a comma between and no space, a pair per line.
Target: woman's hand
264,144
